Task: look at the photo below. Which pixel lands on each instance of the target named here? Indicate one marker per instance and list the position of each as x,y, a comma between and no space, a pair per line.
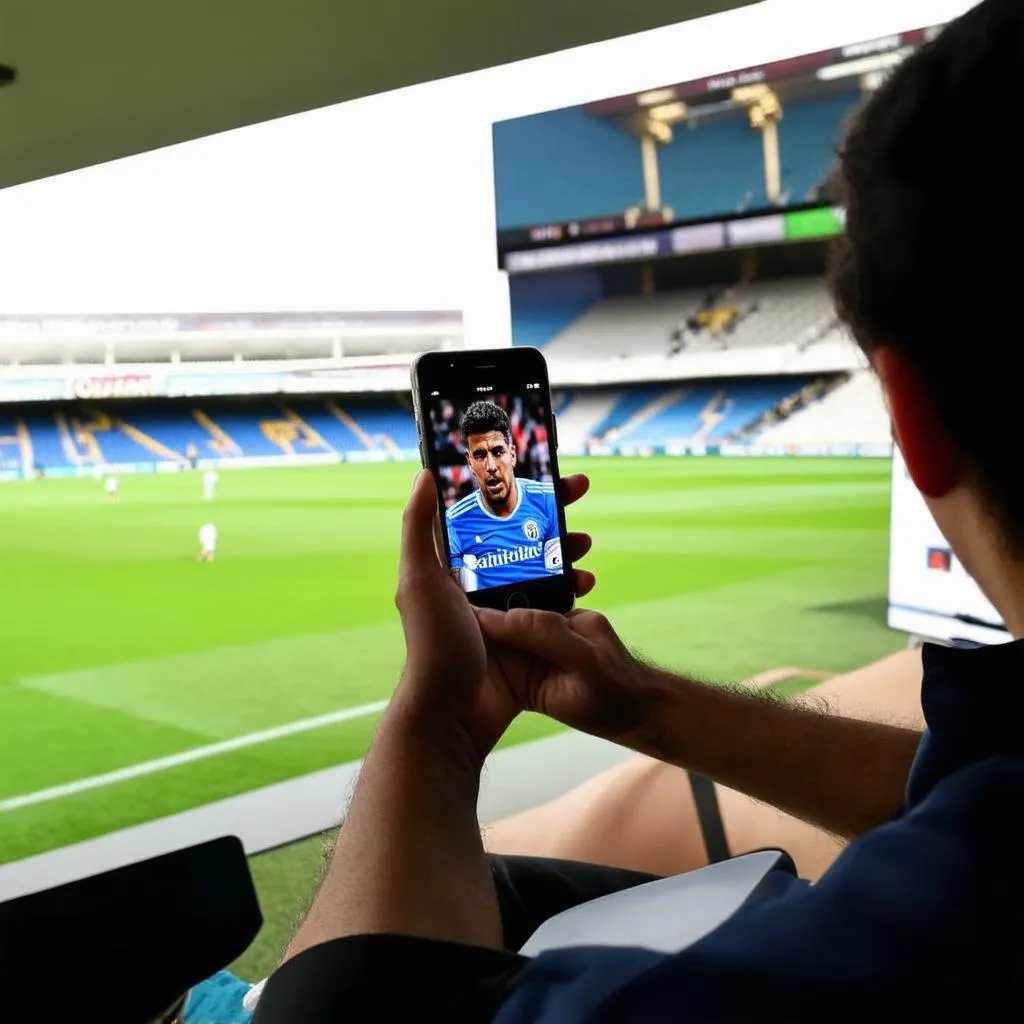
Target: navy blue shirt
921,918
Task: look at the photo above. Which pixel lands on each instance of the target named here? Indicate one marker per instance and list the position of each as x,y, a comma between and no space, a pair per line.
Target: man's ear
931,457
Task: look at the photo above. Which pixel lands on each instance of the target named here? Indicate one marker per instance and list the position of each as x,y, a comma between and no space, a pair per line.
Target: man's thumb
419,526
545,634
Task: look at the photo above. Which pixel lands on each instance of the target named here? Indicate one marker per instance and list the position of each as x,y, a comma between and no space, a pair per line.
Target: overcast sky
381,203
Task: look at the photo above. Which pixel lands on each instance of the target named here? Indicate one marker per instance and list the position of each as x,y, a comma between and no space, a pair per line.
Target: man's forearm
843,775
409,859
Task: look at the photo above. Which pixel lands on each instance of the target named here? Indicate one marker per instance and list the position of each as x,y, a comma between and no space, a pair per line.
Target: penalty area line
162,764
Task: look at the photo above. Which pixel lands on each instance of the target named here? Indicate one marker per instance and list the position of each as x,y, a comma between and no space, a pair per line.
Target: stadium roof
109,78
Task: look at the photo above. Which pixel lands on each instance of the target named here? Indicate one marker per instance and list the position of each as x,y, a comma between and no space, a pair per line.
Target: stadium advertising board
208,385
72,384
741,232
738,159
126,385
120,325
32,389
930,591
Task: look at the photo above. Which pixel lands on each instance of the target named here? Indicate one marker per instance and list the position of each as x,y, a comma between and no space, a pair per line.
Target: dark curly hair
483,417
930,174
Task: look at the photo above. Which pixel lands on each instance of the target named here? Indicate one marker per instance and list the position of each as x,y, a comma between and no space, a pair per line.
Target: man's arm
409,859
843,775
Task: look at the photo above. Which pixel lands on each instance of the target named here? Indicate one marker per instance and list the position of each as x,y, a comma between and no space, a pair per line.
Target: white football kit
208,537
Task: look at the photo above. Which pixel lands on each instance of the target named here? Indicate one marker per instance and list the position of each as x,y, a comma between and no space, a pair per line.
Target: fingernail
488,616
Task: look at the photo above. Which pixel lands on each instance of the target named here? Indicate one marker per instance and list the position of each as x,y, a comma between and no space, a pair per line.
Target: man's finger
578,545
419,523
574,487
583,582
545,634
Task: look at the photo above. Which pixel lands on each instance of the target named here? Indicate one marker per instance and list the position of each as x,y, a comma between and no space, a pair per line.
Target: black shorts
396,977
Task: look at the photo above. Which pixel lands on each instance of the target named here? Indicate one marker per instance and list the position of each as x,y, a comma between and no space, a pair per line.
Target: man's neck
510,502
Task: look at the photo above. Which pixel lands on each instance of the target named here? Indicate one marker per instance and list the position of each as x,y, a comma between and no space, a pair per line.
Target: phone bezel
457,374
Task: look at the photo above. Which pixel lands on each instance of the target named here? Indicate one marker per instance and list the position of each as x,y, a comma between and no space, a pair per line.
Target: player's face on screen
493,459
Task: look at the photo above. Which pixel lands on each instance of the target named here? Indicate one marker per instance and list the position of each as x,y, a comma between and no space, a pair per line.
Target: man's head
927,277
490,453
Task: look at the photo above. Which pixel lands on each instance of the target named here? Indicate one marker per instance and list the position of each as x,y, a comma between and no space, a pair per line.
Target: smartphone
488,435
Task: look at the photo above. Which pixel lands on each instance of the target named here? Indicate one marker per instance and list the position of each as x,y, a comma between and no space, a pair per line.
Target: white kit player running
111,486
207,542
209,484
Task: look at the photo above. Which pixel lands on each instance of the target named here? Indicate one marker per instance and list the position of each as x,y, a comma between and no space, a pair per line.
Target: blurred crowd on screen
529,436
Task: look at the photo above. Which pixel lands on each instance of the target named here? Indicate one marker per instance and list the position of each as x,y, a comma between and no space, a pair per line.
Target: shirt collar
973,702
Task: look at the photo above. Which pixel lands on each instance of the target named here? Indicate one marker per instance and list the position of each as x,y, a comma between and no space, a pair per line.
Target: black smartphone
487,434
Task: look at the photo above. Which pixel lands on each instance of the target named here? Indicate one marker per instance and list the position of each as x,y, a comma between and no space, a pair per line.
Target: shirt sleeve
400,977
454,545
550,517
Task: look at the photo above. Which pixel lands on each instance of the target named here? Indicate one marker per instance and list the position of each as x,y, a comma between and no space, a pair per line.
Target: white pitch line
162,764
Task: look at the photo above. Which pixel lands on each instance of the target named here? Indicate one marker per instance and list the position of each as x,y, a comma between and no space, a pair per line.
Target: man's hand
573,668
842,775
409,858
446,683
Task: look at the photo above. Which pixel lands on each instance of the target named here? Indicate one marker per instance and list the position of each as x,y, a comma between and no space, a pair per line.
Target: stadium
667,251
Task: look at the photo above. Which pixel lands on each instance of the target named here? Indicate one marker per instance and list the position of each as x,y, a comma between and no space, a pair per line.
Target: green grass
119,648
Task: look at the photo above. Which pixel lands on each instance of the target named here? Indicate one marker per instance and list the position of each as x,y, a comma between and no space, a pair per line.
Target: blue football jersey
489,551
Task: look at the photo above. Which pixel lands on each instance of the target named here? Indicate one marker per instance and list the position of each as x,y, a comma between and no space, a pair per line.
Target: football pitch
137,682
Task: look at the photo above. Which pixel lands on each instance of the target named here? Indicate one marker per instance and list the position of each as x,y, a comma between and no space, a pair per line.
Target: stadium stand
10,442
580,414
768,313
569,165
243,425
853,413
545,305
733,148
172,431
807,141
680,414
73,435
628,405
560,400
535,157
661,414
146,432
337,427
48,448
390,426
707,411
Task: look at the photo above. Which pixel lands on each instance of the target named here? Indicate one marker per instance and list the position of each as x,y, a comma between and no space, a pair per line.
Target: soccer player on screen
506,531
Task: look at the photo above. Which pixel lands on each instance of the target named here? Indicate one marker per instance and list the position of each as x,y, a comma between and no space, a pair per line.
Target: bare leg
641,814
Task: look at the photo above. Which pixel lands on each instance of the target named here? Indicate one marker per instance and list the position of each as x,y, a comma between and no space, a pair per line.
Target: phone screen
494,464
490,436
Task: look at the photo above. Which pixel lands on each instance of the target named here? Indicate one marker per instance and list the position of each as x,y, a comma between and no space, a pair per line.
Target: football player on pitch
506,531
